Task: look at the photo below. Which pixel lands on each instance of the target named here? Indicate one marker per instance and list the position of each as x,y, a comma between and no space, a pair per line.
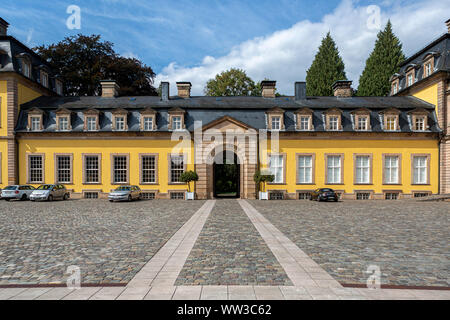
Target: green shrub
188,177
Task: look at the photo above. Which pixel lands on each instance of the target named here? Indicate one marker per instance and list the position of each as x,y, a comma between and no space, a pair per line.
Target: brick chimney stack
268,88
343,89
3,27
184,89
110,89
448,25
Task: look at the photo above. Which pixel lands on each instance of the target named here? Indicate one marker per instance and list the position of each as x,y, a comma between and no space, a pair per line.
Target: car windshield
123,189
10,188
45,187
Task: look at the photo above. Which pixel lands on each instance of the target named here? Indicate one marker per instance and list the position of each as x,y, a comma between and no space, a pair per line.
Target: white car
19,192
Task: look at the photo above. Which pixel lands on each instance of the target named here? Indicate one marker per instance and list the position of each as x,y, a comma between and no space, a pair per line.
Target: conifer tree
326,68
382,63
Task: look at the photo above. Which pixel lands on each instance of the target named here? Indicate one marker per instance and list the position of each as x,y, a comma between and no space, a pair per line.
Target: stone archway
227,175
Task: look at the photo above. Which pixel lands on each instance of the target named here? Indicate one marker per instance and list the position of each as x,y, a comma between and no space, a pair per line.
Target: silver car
50,192
125,193
20,192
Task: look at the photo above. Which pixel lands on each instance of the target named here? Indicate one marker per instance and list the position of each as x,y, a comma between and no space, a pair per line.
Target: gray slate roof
440,47
249,110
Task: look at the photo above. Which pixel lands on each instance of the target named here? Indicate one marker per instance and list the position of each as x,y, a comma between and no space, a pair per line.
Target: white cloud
285,55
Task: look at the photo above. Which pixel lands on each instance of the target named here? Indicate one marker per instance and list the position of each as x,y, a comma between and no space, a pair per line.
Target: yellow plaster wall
350,147
429,94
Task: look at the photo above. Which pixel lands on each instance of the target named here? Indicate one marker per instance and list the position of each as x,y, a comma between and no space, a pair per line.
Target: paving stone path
408,240
230,251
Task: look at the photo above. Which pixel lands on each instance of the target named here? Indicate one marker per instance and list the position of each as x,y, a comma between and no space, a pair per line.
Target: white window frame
274,166
410,79
63,123
362,169
91,123
302,166
35,123
177,123
389,119
333,123
119,123
304,123
336,169
275,123
419,124
391,169
420,169
148,123
363,123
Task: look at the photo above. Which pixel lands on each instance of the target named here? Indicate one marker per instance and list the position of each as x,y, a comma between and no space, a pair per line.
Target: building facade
363,147
426,75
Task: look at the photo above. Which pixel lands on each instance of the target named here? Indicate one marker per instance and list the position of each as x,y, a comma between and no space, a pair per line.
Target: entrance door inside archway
227,175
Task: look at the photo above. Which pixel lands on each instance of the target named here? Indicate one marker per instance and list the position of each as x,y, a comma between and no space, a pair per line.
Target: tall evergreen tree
326,68
382,63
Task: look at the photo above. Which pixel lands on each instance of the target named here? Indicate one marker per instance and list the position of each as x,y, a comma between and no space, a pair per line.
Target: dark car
324,194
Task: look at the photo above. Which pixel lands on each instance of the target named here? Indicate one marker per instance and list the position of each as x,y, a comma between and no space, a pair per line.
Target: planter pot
190,195
263,196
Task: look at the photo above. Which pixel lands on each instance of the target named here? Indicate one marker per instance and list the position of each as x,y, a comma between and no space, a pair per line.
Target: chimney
110,89
165,91
448,25
184,89
300,90
343,89
3,27
268,88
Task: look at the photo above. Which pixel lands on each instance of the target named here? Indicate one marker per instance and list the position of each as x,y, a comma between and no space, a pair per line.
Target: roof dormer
361,118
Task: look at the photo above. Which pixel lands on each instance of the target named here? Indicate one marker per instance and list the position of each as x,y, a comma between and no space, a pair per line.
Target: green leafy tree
233,82
85,60
188,177
263,178
382,63
326,68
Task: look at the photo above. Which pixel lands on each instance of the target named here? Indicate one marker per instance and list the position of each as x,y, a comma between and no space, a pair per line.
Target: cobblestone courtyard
110,242
408,240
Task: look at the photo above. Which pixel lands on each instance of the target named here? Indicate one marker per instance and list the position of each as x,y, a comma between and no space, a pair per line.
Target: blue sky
183,38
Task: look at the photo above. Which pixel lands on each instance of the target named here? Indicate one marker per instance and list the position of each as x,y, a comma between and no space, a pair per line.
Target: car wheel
50,198
111,201
66,197
24,197
140,197
311,198
7,199
130,198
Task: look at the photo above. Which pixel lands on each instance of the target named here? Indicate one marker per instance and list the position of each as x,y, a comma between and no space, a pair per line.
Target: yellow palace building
363,147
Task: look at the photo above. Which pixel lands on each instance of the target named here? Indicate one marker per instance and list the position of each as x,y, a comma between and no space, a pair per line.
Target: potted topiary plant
188,177
263,178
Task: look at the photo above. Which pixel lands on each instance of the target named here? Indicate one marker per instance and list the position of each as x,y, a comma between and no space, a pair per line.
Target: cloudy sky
194,40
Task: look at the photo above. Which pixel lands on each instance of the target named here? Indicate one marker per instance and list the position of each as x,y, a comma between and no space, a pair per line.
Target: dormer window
395,88
176,123
35,120
91,120
59,87
419,119
304,119
91,124
275,119
44,78
427,69
428,64
26,68
148,123
361,119
176,119
35,123
63,123
148,119
410,79
391,123
276,123
333,123
120,123
362,123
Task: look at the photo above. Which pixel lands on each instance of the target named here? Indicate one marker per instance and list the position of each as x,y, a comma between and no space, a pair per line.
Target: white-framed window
395,88
304,123
91,123
176,123
148,123
363,122
64,169
92,168
26,69
334,123
45,79
410,79
276,123
35,123
119,123
148,168
334,169
120,169
362,169
420,168
391,169
419,124
428,69
276,167
176,167
391,123
63,123
36,169
305,169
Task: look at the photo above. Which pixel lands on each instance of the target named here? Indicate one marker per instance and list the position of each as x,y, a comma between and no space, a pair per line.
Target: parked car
324,194
50,192
20,192
125,193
